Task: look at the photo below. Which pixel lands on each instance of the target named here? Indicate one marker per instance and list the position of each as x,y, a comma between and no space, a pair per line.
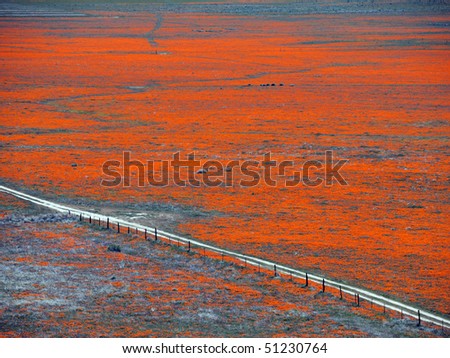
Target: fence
358,294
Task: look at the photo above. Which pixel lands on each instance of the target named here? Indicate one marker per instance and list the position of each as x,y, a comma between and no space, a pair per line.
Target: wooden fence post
145,234
358,300
275,270
81,217
307,280
156,234
418,317
128,229
118,227
107,223
90,220
189,246
340,292
323,285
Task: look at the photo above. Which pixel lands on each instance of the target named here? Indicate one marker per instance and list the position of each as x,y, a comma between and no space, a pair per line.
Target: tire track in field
150,36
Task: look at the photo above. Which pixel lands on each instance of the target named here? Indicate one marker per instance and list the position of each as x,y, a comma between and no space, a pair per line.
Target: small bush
114,248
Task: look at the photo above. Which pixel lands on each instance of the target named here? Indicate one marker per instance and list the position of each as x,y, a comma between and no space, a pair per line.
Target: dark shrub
114,248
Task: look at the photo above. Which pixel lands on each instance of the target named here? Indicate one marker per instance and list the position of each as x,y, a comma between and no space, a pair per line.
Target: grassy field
371,86
65,279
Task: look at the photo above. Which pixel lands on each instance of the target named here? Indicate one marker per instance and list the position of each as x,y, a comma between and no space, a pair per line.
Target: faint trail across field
150,36
369,296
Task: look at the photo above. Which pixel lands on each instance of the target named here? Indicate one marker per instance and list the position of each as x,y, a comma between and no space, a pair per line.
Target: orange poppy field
228,83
